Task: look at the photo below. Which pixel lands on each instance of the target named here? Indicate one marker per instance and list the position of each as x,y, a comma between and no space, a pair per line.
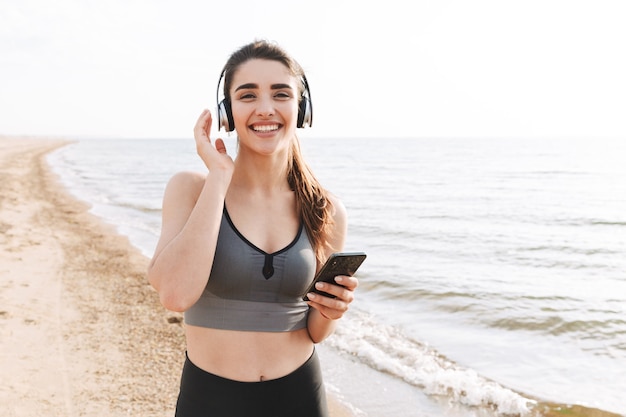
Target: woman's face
264,99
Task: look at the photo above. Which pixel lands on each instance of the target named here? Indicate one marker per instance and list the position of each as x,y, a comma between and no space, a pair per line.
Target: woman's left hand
334,308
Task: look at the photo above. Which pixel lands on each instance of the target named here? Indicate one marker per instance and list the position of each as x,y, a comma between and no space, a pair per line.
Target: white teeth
265,128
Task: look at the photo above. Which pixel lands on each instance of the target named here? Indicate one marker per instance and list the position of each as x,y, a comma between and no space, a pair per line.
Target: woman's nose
265,107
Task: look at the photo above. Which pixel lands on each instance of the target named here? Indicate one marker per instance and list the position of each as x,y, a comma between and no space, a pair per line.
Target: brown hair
312,200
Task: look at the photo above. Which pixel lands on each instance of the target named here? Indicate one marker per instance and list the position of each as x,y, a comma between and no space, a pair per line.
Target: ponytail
312,202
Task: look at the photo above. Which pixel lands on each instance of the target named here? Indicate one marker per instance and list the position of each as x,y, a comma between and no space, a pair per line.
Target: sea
495,281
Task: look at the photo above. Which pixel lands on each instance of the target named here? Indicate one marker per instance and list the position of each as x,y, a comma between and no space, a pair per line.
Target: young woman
240,244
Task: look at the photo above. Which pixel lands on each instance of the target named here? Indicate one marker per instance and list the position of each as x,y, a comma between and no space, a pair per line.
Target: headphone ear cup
225,116
305,113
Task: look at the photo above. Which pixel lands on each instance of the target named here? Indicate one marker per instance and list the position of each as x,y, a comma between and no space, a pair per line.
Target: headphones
225,111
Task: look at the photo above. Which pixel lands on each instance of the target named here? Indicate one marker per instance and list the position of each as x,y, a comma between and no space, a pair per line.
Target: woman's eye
247,96
282,95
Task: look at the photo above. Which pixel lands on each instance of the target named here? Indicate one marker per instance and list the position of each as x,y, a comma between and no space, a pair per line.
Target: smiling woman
239,245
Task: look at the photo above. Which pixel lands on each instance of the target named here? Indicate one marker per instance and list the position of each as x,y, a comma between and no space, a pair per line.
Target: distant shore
81,331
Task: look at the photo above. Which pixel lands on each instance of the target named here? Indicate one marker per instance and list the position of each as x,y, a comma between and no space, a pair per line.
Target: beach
81,331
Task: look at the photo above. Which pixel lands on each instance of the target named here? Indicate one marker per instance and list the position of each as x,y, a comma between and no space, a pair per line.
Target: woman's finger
203,125
220,146
347,282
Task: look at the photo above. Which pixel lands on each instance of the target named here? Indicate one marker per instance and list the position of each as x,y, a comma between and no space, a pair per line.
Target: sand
81,331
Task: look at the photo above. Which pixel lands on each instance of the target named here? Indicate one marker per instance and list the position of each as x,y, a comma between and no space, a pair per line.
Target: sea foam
387,349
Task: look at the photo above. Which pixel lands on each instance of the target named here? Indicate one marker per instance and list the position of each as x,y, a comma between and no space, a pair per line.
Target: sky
392,68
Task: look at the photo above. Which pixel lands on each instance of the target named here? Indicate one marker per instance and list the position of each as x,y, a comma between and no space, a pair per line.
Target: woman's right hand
214,157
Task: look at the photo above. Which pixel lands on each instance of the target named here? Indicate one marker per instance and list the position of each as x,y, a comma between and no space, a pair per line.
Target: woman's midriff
248,356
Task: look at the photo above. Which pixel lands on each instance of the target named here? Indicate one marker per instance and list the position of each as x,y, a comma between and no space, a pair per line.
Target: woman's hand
214,157
334,308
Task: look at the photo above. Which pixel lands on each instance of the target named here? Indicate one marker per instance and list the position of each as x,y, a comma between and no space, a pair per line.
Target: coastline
81,330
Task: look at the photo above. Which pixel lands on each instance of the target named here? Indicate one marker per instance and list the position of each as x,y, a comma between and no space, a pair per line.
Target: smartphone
340,263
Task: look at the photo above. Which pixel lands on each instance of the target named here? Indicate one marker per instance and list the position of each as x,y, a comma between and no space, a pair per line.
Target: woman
239,246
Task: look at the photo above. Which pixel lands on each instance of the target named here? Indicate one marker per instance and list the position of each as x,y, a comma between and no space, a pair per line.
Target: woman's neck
266,174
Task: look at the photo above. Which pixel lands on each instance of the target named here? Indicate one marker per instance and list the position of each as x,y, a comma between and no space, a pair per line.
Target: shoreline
82,331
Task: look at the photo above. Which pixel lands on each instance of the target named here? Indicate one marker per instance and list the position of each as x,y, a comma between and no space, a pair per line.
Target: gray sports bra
251,290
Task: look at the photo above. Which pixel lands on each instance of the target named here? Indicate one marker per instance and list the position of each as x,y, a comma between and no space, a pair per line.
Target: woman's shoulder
339,220
338,212
337,204
185,184
188,178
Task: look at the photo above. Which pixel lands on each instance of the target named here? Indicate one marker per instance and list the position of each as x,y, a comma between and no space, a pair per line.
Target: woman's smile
265,128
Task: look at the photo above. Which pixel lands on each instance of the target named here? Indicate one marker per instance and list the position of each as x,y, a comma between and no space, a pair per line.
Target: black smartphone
340,263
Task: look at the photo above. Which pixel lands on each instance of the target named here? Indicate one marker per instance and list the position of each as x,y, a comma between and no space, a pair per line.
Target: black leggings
299,394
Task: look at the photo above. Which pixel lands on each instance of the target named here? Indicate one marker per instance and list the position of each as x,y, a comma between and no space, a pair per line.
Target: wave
140,206
607,223
387,349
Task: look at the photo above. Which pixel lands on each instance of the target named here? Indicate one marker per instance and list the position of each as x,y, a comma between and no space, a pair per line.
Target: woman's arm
326,311
192,212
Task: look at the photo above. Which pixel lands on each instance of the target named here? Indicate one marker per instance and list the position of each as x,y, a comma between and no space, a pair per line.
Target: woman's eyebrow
248,86
252,86
280,86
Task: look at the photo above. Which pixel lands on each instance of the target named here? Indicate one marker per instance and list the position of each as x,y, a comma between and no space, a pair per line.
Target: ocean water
496,270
